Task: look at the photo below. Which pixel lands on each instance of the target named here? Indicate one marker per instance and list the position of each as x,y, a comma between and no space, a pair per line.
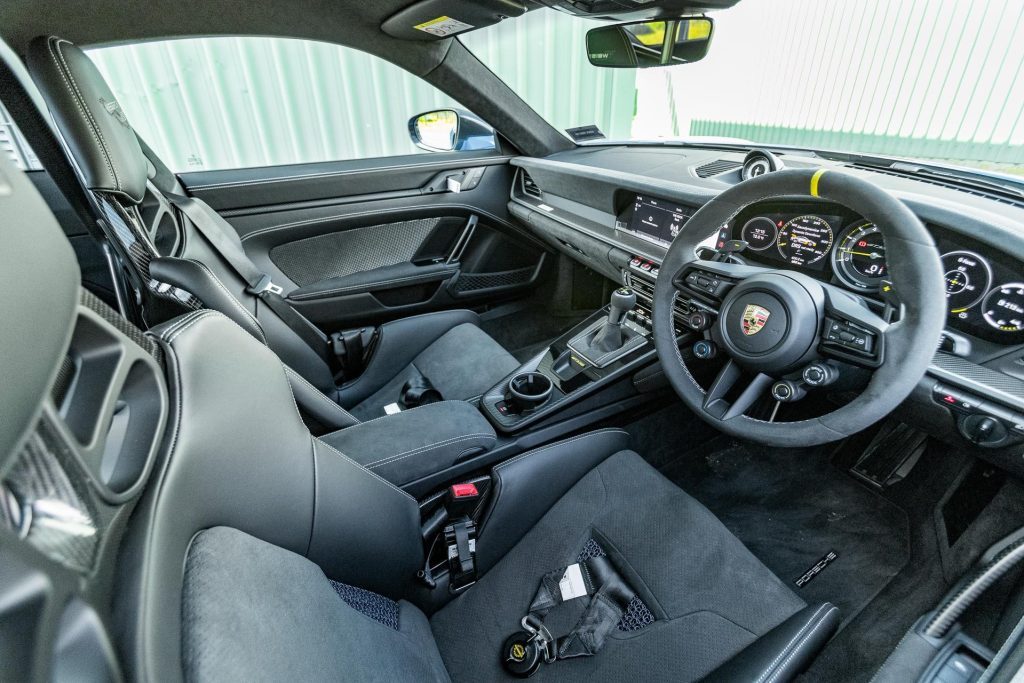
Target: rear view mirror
451,130
643,44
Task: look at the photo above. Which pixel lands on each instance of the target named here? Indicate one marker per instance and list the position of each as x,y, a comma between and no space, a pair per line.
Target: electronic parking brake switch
460,536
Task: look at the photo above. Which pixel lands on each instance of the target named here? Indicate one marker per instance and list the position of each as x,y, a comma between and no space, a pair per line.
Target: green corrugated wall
928,78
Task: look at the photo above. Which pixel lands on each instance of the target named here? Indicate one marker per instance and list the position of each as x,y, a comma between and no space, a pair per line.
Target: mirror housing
643,44
451,130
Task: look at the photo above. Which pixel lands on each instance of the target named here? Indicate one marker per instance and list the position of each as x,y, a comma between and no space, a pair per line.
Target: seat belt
258,283
596,578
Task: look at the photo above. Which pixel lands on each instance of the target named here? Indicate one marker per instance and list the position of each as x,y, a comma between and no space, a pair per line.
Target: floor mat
791,508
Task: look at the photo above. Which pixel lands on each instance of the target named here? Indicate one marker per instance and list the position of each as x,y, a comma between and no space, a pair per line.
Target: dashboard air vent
529,187
980,189
716,167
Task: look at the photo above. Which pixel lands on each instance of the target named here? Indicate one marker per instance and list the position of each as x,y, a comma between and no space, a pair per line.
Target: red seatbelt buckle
464,491
462,500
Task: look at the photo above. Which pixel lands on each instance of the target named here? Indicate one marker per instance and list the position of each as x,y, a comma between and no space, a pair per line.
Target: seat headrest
89,117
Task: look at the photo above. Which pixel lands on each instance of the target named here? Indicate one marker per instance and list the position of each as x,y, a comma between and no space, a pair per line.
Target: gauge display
968,278
1003,308
805,240
859,258
759,233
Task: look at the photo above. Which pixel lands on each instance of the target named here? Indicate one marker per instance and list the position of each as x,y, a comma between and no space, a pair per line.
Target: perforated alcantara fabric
710,597
637,615
347,252
254,611
373,605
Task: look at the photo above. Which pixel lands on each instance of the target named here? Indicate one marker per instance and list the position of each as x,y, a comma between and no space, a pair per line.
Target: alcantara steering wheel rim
800,306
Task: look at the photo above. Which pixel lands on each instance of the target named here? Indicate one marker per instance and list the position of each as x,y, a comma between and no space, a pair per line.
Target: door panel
362,242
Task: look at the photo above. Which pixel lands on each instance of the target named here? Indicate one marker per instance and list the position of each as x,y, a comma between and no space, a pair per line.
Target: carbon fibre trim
986,382
57,517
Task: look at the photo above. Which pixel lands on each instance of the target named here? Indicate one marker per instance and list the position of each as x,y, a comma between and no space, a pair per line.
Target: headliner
354,23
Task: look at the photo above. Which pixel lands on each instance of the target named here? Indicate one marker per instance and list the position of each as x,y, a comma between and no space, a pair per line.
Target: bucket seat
259,552
446,350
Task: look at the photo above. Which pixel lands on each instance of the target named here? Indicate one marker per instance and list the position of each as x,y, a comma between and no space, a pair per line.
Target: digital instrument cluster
985,296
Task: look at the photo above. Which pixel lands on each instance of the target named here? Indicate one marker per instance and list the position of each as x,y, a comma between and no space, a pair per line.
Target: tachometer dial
968,277
805,240
859,258
759,233
1003,308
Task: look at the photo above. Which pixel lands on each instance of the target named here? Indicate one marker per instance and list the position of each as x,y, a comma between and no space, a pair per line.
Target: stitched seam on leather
796,649
363,469
328,174
422,449
80,102
319,394
782,653
204,314
234,301
179,322
555,445
648,378
370,285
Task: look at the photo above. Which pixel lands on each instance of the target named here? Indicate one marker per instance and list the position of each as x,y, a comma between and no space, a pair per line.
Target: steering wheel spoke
710,281
851,331
729,377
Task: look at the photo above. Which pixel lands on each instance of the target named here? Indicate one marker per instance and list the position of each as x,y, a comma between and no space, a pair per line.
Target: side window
221,103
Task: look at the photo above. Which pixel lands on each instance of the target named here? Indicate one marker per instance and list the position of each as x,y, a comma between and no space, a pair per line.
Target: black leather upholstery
527,485
239,456
784,651
93,123
38,272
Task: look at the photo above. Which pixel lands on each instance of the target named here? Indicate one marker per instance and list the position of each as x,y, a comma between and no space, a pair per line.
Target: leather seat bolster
783,652
526,487
195,277
316,405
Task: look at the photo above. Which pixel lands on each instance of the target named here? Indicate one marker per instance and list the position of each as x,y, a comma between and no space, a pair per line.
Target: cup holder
529,390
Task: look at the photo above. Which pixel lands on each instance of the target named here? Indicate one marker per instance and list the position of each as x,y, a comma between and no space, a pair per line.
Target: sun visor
440,19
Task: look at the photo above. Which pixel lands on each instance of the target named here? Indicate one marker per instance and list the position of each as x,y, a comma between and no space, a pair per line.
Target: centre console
612,343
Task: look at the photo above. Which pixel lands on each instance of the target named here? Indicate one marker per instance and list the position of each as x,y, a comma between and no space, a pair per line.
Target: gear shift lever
609,338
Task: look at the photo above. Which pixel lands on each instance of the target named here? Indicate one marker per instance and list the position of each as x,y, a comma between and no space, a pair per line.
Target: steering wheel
772,323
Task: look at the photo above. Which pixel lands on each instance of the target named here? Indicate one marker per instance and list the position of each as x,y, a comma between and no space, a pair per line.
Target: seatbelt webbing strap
609,599
214,228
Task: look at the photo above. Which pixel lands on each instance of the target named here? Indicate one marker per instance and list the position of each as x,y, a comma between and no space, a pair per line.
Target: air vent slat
529,187
716,167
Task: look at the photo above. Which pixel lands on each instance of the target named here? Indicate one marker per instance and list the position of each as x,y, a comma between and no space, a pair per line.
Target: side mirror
644,44
451,130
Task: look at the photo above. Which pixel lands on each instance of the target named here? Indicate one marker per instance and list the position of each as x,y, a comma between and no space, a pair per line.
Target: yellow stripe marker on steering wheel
814,181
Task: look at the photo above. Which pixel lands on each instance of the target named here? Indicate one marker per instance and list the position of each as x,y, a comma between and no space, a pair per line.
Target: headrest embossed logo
754,318
114,109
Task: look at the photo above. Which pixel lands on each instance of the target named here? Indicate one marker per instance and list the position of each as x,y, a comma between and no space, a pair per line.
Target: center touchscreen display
656,220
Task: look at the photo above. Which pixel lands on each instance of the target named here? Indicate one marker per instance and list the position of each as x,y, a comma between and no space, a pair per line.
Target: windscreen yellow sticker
443,26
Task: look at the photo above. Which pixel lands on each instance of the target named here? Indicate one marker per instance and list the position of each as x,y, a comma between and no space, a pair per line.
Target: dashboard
984,289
